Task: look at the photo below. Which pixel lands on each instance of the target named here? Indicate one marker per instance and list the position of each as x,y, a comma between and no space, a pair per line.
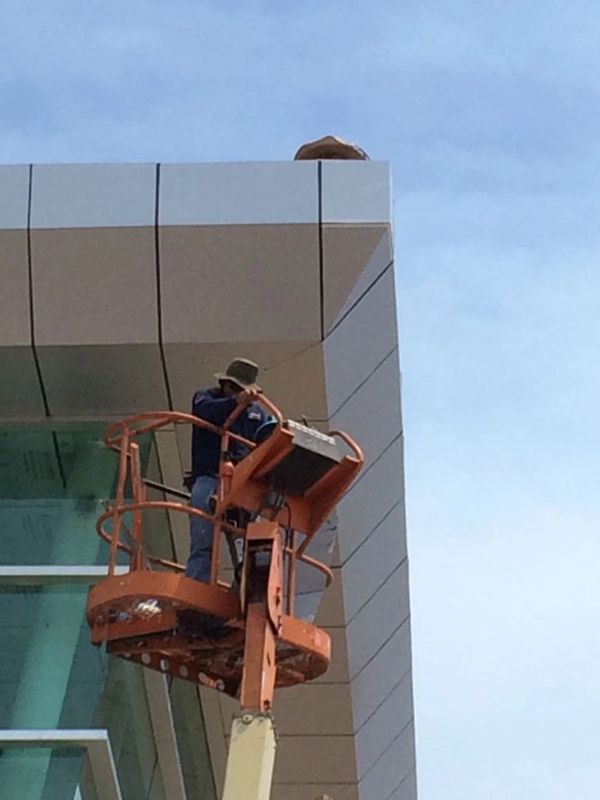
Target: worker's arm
212,409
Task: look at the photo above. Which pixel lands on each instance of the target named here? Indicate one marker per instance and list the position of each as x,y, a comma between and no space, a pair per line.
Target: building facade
125,288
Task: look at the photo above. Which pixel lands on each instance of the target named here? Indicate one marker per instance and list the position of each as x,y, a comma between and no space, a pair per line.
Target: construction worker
236,384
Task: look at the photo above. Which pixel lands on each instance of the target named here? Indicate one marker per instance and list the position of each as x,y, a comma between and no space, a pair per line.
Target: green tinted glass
41,773
54,484
54,678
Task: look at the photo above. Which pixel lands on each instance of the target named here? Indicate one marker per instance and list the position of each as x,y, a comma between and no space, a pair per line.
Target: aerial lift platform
267,509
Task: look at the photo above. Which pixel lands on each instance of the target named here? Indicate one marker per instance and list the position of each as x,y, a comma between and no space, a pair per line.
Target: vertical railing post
120,496
138,493
224,479
291,574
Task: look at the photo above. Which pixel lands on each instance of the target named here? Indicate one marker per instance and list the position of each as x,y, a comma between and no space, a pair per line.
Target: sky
489,115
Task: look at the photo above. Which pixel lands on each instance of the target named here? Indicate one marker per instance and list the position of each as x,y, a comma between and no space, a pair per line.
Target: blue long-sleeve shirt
212,406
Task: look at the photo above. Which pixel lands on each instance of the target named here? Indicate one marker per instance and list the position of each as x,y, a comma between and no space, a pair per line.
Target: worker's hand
247,396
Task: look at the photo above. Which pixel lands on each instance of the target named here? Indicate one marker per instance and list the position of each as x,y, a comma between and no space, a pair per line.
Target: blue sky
489,114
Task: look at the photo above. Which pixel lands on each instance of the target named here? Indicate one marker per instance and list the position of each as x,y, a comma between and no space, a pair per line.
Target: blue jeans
201,530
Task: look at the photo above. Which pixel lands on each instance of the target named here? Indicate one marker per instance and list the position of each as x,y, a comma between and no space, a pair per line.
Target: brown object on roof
330,147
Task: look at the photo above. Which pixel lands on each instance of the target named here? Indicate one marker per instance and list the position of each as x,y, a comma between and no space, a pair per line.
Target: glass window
54,483
41,773
54,678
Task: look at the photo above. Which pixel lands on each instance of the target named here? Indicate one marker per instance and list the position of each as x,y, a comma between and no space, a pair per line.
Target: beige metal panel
94,286
315,708
14,274
372,412
370,499
338,669
347,250
241,193
291,372
378,620
393,766
103,380
15,320
163,729
93,195
380,261
231,283
297,383
407,790
369,566
361,341
315,760
229,708
14,196
362,372
20,393
374,683
324,709
356,191
215,735
394,713
331,611
335,791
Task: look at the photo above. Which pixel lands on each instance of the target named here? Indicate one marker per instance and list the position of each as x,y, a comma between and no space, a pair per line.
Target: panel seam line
390,745
364,381
380,648
36,360
320,234
360,298
377,590
404,779
372,464
371,532
158,287
405,675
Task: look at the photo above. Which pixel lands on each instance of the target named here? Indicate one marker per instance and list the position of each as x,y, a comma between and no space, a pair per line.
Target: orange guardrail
121,437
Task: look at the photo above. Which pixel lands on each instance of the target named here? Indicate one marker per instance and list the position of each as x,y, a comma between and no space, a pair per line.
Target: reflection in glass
53,486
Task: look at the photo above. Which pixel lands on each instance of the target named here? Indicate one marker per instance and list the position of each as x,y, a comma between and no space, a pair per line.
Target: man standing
236,385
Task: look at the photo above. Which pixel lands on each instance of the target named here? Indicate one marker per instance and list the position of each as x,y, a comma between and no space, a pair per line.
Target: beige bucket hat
242,372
